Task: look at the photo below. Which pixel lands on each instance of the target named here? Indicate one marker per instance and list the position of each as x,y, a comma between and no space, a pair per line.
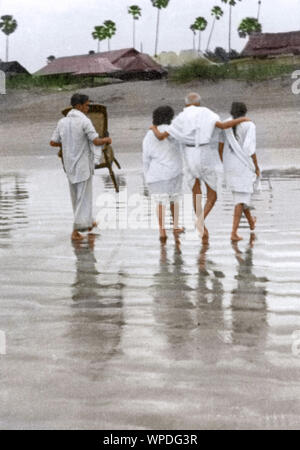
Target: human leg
82,202
238,210
161,212
174,207
251,219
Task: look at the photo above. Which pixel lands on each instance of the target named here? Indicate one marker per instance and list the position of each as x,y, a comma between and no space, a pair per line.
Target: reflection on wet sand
183,313
97,320
174,310
249,308
13,196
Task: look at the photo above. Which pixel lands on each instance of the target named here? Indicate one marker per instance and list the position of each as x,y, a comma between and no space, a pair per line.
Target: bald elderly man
195,128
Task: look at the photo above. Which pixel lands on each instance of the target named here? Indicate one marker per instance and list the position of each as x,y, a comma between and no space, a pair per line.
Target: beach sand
120,333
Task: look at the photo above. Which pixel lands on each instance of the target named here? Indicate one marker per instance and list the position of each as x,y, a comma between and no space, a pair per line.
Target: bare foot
252,239
205,237
236,238
163,236
94,225
76,236
179,230
252,227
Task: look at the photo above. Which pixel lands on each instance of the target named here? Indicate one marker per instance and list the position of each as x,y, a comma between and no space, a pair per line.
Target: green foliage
248,26
217,12
8,25
160,4
54,82
135,11
200,24
249,71
99,33
110,28
230,2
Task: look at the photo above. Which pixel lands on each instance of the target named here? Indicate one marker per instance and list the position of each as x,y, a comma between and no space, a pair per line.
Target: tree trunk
211,33
194,42
157,31
98,47
7,48
199,42
258,12
230,20
133,33
108,44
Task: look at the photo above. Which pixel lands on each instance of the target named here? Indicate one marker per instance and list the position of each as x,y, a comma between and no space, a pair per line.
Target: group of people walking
189,146
197,141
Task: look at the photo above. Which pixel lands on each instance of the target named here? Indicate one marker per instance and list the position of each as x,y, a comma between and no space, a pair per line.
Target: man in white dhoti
237,151
194,128
75,134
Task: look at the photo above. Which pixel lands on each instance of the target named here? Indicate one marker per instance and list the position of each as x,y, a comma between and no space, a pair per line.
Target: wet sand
120,333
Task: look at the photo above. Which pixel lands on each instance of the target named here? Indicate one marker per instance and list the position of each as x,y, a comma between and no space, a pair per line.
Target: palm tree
217,12
159,4
110,31
193,29
8,25
248,26
136,13
99,34
200,25
231,3
258,10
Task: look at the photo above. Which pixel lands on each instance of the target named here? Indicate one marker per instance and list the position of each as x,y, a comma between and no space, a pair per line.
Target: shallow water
119,332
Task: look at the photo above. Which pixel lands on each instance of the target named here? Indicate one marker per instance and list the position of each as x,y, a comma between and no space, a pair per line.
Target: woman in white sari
237,152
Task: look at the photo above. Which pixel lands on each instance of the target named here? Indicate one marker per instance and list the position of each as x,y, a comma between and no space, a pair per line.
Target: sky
64,27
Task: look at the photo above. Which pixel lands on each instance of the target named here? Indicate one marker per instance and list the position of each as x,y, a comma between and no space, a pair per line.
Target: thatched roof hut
273,44
125,64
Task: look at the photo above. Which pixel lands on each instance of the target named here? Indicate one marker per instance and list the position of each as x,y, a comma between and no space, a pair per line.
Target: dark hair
238,109
79,99
163,115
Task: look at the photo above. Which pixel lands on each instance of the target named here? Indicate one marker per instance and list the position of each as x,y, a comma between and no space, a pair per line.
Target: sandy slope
28,118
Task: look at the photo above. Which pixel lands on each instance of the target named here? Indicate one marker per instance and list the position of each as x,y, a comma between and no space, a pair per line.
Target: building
273,44
125,64
13,68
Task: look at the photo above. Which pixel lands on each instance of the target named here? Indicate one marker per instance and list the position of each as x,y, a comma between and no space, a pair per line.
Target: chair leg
117,163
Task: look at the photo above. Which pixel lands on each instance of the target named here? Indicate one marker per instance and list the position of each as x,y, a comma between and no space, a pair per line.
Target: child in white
162,162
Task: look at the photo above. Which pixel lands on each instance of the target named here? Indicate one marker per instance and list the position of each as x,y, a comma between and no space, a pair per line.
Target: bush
250,71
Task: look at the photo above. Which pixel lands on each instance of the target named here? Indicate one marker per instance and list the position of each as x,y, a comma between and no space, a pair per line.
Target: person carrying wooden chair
74,135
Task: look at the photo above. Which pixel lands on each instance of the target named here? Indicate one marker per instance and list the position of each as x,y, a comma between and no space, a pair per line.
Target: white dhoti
200,163
82,202
167,190
242,198
239,168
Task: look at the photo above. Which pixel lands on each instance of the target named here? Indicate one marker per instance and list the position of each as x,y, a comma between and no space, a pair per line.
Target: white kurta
194,128
76,134
239,169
